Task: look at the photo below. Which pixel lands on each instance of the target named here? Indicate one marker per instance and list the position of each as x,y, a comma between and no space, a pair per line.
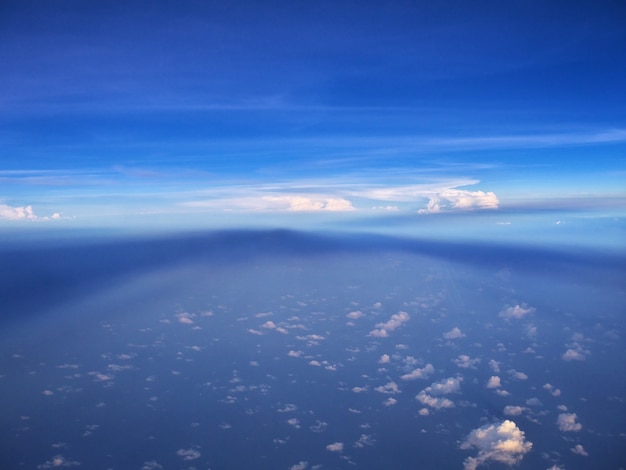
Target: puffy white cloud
17,212
459,199
454,333
567,422
580,450
418,373
445,386
382,329
355,315
391,388
390,401
384,359
494,365
465,362
494,382
188,454
500,442
359,389
511,410
335,447
573,355
434,402
517,312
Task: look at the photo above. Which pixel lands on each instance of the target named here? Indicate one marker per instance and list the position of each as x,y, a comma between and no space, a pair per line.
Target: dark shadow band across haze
39,276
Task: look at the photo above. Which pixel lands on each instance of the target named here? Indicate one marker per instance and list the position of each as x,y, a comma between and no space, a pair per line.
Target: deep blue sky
209,114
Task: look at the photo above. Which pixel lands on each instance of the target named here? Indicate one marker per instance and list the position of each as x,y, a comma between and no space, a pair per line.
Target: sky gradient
342,115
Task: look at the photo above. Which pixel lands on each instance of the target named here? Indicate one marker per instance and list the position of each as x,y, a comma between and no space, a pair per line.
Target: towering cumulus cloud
500,442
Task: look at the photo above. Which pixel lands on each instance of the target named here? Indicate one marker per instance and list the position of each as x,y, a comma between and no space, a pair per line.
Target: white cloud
59,461
511,410
384,359
434,402
188,454
445,386
580,450
459,199
573,355
465,362
517,312
17,212
302,465
495,366
391,388
500,442
494,382
364,440
382,329
295,422
309,203
355,315
567,422
335,447
390,401
422,373
454,333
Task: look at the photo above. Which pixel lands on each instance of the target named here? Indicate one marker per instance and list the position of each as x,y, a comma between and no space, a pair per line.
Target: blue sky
185,115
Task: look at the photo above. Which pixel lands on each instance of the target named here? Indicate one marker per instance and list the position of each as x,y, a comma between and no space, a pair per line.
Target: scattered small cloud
382,329
418,373
516,312
454,333
188,454
58,461
579,450
494,382
567,422
391,388
335,447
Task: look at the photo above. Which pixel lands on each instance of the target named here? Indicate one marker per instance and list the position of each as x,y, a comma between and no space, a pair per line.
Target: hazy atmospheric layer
291,350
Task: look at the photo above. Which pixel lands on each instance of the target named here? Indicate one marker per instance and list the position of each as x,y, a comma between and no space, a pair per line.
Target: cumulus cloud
459,199
302,465
580,450
434,402
391,388
384,359
335,447
454,333
188,454
311,203
500,442
17,212
573,355
517,312
445,386
567,422
418,373
382,329
390,401
494,382
511,410
465,362
355,315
